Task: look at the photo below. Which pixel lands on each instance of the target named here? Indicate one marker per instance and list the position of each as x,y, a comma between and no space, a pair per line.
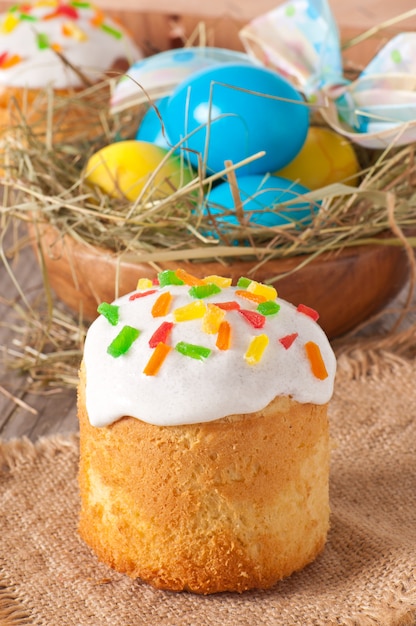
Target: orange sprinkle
162,305
315,358
187,278
224,336
253,297
98,18
10,61
159,354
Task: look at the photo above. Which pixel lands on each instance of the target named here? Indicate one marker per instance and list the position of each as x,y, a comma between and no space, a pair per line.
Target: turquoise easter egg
233,111
266,201
151,127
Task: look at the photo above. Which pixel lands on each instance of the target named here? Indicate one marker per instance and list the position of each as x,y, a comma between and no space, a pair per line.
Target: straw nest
44,176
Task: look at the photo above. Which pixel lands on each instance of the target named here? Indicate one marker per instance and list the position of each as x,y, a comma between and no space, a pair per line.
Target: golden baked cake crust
227,505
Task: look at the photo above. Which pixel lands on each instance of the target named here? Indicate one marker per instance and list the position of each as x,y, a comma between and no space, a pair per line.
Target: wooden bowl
346,287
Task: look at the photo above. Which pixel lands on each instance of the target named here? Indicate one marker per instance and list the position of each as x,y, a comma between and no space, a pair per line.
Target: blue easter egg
151,128
231,112
263,200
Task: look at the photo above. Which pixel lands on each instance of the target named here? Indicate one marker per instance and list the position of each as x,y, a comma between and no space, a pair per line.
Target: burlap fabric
365,576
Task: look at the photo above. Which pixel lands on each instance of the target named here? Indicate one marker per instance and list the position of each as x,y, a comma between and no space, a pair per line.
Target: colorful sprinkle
162,305
204,291
192,311
257,320
8,61
63,10
221,281
69,29
123,342
81,5
228,306
287,340
135,296
253,297
243,282
28,18
161,334
195,352
270,307
259,289
169,277
110,312
212,319
98,18
42,41
187,278
144,283
9,23
155,362
224,336
256,349
307,310
315,358
111,31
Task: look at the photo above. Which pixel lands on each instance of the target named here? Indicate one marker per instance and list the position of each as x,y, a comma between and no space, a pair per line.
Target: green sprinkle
204,291
195,352
112,31
396,56
109,311
168,277
243,282
268,308
43,41
80,5
290,10
123,342
28,18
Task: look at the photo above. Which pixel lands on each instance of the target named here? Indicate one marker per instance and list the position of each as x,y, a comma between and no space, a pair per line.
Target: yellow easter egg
325,158
122,169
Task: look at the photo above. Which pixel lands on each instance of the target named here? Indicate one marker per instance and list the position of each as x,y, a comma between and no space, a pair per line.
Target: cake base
229,505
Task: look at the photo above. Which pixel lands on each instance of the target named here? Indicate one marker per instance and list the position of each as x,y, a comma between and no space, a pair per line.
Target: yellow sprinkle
70,29
191,311
256,349
212,319
9,23
144,283
220,281
260,289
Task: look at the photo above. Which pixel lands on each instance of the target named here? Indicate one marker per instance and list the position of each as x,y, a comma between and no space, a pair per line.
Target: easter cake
204,445
63,45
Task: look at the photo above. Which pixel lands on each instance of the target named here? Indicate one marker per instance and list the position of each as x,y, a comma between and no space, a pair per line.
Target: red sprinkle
141,294
228,306
257,320
307,310
161,334
287,340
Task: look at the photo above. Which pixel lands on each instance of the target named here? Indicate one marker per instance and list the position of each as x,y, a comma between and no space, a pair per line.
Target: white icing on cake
186,390
90,41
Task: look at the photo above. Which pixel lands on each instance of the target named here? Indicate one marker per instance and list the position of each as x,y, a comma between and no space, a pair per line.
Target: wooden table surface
23,413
